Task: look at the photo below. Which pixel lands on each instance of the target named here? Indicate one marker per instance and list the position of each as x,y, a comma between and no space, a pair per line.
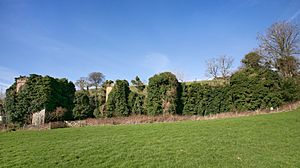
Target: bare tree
212,68
225,64
96,78
280,45
82,83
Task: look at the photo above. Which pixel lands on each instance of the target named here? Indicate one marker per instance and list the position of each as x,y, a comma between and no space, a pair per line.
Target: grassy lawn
271,140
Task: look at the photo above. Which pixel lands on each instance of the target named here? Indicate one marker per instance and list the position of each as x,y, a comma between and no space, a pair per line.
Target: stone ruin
20,82
108,90
38,118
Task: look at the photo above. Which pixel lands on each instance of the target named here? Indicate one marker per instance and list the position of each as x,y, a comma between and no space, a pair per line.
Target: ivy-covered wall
39,92
247,89
203,99
117,103
162,95
252,89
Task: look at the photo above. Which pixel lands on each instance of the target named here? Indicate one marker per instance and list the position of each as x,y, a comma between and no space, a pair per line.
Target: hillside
271,140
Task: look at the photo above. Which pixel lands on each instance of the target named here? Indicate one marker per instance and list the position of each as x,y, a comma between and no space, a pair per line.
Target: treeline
268,77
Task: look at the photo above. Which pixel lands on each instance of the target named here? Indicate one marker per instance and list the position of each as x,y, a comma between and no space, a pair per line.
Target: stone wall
38,118
20,83
108,90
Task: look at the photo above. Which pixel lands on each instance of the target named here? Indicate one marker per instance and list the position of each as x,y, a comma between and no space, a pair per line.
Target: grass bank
271,140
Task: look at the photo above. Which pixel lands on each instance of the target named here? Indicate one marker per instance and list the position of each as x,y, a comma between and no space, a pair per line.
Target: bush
57,115
162,94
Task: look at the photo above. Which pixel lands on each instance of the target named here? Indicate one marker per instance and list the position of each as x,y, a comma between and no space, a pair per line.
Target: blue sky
125,38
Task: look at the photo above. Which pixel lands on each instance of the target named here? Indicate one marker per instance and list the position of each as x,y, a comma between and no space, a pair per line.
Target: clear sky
125,38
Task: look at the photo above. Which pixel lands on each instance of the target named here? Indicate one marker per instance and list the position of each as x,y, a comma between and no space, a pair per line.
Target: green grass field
271,140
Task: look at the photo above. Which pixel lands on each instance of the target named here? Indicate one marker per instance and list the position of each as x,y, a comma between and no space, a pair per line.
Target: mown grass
271,140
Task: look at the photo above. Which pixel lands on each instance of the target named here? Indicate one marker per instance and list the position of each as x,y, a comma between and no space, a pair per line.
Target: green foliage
100,99
252,60
203,99
117,103
162,94
39,93
251,89
84,105
136,103
138,84
290,89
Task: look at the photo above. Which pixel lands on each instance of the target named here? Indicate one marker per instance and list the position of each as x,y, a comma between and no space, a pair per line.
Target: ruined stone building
32,99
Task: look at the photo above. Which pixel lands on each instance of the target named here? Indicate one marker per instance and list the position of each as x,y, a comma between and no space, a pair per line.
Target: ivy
39,92
117,103
162,94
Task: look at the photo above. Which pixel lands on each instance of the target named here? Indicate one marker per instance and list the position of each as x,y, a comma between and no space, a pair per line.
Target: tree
252,60
212,68
225,64
280,46
221,65
96,78
288,66
138,84
82,83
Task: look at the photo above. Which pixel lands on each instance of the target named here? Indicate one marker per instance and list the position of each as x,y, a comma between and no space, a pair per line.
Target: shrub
56,115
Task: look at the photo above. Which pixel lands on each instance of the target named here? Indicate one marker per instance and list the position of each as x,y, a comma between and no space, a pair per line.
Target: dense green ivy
248,89
117,102
290,89
252,89
84,105
203,99
136,102
39,93
162,94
